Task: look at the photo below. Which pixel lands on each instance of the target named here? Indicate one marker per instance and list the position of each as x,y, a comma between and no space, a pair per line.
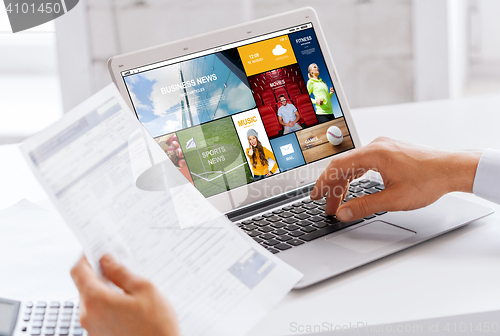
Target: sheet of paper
219,282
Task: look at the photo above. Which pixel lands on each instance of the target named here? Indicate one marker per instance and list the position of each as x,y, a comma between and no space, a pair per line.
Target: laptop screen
242,112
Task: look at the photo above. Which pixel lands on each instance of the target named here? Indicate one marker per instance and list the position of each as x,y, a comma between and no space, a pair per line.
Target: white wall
489,26
29,52
29,86
484,43
484,48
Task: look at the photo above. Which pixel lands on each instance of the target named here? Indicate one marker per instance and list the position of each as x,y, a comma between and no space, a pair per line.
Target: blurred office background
386,51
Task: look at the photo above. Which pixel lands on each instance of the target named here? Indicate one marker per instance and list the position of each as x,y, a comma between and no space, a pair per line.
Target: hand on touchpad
371,236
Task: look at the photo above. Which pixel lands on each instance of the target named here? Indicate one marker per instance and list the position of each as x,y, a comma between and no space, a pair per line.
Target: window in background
484,48
29,85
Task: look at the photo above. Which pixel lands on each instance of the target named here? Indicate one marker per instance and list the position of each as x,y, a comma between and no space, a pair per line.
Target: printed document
120,194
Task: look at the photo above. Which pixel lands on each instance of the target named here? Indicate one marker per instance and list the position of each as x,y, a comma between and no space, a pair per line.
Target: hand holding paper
139,310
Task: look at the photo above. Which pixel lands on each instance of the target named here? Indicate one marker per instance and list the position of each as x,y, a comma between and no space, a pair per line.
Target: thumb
363,206
120,275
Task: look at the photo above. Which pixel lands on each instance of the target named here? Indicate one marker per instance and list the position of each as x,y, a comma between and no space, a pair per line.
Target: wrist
463,170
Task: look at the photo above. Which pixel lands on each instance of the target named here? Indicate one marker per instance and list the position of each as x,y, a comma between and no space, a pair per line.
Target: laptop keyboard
303,221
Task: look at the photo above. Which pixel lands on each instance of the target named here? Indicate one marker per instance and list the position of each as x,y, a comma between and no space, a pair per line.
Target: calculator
55,318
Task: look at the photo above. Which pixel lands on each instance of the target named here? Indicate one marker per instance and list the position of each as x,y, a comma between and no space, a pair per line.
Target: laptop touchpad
371,236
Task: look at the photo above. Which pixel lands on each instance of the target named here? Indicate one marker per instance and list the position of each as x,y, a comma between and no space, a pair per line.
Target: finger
334,197
120,275
363,206
342,168
84,277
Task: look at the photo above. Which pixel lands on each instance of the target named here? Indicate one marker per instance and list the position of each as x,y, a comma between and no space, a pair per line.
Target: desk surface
457,273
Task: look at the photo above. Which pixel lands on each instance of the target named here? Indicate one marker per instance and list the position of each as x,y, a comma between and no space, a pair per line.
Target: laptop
251,115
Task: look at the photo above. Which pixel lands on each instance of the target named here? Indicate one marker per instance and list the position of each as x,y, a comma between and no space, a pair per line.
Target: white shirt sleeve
487,180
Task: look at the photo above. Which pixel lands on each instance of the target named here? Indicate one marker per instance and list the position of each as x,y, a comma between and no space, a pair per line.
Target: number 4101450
25,8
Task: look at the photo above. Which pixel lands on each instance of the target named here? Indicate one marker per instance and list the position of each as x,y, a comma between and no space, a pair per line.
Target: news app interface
242,112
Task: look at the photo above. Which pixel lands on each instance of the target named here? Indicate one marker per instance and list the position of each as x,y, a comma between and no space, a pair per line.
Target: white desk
457,273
